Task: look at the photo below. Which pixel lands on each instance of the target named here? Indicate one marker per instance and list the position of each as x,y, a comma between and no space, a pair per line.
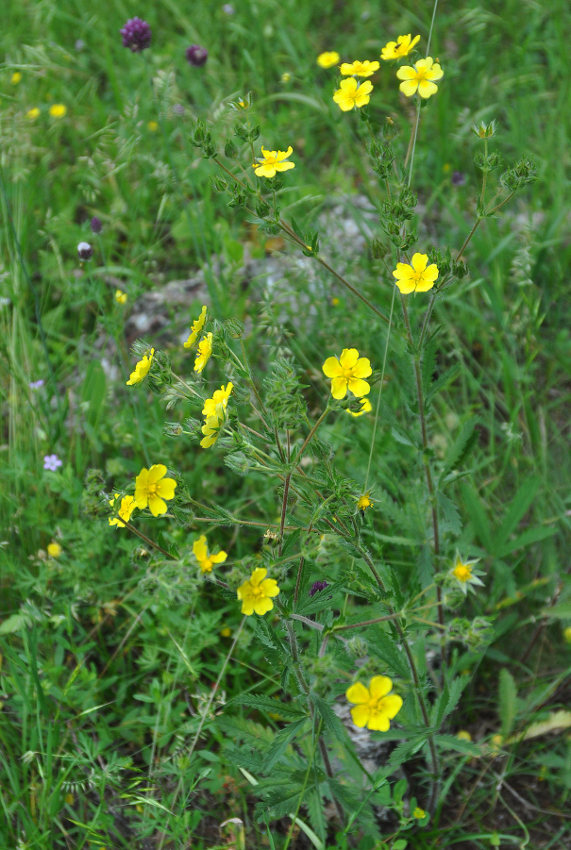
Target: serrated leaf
451,742
442,382
281,743
331,722
529,536
518,507
286,711
478,517
384,646
458,451
449,515
507,701
562,611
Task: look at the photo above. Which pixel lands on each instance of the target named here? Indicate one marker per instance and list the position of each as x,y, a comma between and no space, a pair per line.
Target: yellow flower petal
358,387
339,388
349,357
360,715
357,693
380,686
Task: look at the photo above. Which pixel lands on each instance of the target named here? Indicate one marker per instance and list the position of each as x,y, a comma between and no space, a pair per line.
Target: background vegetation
109,651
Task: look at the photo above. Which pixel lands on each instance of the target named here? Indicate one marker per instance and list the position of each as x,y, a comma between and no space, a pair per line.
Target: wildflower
141,369
348,373
256,593
127,507
366,407
421,76
120,296
211,431
399,48
375,706
96,225
84,251
226,632
33,113
196,55
273,161
54,549
206,561
35,385
419,813
216,405
458,178
350,94
567,634
465,574
152,488
364,502
204,352
58,110
416,277
463,735
317,586
359,69
136,35
52,462
15,78
197,326
153,126
328,59
286,77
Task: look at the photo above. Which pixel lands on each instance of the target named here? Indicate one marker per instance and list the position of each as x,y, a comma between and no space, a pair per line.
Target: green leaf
93,393
330,720
384,646
478,517
519,506
441,382
281,742
529,536
562,611
287,711
460,448
14,623
507,701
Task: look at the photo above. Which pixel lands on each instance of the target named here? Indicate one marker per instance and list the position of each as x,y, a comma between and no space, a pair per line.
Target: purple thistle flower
35,385
317,586
52,462
96,225
196,55
136,35
458,178
84,251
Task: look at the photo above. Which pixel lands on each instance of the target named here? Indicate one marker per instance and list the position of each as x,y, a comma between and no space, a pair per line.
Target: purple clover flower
136,35
196,55
317,586
458,178
35,385
96,225
52,462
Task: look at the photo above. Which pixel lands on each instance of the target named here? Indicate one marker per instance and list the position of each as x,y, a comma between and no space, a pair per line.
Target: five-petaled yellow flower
206,561
58,110
328,59
211,431
421,76
417,276
273,161
348,373
375,706
399,48
216,405
127,507
152,488
350,94
419,813
16,78
463,572
359,69
197,326
365,501
54,549
33,113
203,353
141,369
120,296
366,407
256,593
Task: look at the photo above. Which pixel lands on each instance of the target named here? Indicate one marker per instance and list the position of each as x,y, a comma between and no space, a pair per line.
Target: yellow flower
567,634
15,78
151,488
419,813
211,431
365,501
256,593
463,572
141,369
401,47
205,561
54,549
273,161
286,77
226,632
328,59
58,110
153,126
416,277
120,296
197,326
366,407
219,397
348,373
350,94
375,706
422,76
360,69
33,113
128,505
463,735
204,352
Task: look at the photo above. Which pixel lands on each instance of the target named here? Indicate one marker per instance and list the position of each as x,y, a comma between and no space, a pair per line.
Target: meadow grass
139,706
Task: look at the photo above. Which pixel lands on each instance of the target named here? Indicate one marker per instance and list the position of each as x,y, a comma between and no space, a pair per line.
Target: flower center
421,75
152,490
348,373
462,572
257,592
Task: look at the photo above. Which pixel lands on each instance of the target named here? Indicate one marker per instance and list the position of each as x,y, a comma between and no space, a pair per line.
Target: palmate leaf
383,646
286,711
281,743
461,447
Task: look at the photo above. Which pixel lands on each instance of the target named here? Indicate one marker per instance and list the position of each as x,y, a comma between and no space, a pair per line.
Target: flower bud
196,55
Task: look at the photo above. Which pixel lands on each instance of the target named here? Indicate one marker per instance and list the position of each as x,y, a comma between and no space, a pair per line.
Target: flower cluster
136,35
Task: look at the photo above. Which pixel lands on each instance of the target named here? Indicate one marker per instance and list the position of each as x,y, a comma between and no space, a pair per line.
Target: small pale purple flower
84,251
35,385
52,462
136,35
317,586
96,225
458,178
196,55
228,9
